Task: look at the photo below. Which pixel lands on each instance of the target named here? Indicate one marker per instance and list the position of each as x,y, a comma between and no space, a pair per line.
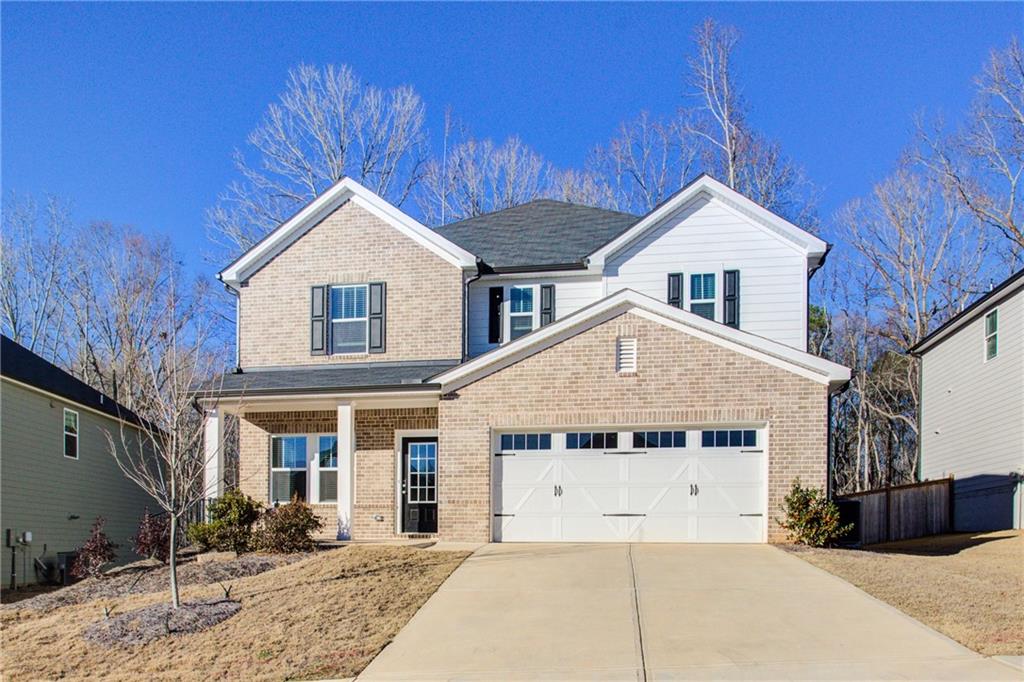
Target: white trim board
342,191
707,187
757,347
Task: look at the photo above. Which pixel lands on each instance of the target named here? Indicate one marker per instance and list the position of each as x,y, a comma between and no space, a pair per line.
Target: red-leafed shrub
153,540
97,552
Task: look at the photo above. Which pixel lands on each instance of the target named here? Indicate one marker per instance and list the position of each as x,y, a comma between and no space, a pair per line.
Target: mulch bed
159,620
145,576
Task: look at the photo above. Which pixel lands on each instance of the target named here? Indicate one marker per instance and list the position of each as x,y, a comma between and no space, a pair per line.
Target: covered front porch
365,460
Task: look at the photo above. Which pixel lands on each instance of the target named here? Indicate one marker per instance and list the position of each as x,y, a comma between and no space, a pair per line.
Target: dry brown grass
967,586
325,616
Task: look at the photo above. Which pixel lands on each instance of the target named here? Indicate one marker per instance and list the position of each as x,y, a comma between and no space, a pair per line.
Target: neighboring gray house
56,471
972,408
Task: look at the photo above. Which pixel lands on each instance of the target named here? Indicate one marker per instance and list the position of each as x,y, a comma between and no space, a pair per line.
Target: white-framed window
349,327
70,434
702,294
520,311
327,468
288,468
511,442
992,335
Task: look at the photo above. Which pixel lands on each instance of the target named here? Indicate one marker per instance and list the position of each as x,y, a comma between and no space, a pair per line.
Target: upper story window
702,295
70,434
520,315
992,335
348,319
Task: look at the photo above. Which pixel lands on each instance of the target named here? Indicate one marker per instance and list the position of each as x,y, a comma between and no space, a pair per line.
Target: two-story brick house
547,372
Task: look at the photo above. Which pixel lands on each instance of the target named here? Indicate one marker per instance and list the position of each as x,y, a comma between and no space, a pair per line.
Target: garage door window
591,440
734,438
659,439
525,441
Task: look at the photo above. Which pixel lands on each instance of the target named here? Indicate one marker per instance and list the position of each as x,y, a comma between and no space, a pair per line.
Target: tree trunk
173,562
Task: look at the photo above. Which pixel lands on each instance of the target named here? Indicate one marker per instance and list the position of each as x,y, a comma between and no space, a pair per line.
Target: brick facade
352,246
680,380
374,460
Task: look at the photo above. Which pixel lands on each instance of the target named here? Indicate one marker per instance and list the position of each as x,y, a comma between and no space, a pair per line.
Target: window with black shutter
496,296
675,289
547,304
318,320
732,298
377,312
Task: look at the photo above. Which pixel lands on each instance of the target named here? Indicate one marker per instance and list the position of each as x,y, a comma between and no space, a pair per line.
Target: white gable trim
342,191
806,243
776,354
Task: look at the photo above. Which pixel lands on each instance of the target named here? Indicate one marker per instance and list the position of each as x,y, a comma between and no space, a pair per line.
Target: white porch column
213,449
346,471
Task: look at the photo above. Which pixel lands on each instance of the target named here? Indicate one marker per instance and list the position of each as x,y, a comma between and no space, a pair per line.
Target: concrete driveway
663,612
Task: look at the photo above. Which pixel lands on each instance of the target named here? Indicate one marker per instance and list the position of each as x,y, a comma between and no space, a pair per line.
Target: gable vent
625,355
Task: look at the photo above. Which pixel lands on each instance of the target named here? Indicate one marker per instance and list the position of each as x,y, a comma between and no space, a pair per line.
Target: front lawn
967,586
323,616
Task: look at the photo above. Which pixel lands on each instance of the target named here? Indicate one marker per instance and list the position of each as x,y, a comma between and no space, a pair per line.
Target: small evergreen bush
288,528
97,552
811,518
153,539
230,526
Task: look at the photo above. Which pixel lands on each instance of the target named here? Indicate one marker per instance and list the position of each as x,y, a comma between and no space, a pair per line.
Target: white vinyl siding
571,294
973,409
708,237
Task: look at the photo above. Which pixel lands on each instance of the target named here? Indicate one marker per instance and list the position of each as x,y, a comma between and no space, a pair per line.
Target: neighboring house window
702,295
525,441
327,469
734,438
520,317
659,439
70,434
348,319
287,468
591,441
992,335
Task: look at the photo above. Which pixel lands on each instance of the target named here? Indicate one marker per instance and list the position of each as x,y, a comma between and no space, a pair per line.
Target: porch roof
362,376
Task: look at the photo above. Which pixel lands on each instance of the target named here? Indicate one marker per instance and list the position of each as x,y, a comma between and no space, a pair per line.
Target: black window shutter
547,304
732,298
318,320
496,297
675,289
377,314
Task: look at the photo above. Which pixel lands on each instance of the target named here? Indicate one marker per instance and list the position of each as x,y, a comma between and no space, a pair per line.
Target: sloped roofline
337,194
1005,289
813,248
810,366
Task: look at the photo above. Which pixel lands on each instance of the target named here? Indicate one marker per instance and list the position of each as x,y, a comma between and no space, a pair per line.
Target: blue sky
132,110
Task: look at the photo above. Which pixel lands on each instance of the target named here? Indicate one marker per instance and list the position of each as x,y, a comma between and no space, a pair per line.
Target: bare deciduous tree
478,177
34,260
326,125
165,455
983,162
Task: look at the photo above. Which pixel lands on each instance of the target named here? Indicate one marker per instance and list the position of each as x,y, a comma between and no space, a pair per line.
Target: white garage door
630,486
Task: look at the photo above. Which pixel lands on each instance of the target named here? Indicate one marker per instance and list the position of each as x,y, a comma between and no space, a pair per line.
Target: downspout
238,325
465,309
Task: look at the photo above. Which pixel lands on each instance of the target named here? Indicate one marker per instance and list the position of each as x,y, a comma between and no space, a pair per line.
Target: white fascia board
812,247
342,191
768,351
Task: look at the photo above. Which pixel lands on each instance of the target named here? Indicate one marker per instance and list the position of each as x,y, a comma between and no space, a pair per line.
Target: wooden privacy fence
900,512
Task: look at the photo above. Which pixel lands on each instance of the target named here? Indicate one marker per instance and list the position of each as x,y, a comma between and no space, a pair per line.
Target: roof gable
774,353
706,187
341,192
541,233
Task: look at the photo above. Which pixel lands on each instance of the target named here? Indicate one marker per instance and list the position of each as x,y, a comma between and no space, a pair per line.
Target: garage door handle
751,514
623,514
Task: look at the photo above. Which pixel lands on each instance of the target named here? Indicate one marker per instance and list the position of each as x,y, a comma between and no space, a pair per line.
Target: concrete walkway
621,612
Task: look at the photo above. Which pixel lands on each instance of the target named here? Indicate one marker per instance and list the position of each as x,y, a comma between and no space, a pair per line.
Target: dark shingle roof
370,376
24,366
544,232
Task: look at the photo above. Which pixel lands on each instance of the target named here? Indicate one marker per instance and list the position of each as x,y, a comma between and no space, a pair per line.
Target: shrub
811,518
230,527
97,552
154,537
288,528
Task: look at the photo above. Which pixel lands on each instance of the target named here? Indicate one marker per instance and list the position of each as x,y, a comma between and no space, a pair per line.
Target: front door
419,485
